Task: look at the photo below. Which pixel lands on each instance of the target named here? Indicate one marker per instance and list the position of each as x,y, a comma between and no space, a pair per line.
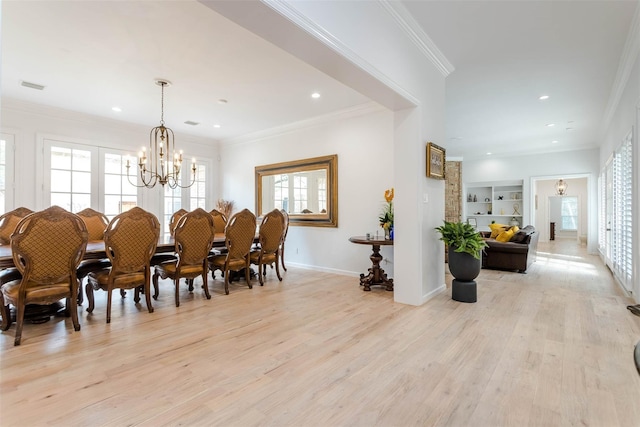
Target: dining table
96,250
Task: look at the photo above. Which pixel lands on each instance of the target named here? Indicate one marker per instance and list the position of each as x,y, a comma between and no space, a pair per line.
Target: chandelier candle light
164,162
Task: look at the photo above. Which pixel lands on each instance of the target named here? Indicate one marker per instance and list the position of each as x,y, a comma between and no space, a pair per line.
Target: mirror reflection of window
296,193
306,189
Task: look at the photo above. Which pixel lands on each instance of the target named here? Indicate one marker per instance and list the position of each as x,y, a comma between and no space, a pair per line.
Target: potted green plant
465,257
462,237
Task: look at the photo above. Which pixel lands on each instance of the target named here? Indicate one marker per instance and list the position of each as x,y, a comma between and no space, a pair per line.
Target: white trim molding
416,34
629,54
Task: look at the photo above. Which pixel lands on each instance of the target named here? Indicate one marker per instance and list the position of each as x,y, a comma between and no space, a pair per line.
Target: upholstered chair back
131,239
219,220
271,231
8,222
95,221
194,235
47,246
175,218
239,234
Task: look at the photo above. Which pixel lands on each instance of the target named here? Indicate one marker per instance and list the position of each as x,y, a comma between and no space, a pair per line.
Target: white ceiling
92,56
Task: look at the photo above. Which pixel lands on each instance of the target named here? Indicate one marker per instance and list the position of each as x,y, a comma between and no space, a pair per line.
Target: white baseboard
434,292
324,269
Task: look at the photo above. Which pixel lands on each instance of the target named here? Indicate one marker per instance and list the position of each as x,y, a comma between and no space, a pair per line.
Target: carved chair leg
262,271
282,258
156,290
226,282
80,293
205,285
109,304
176,282
19,324
147,296
91,302
72,306
6,314
278,269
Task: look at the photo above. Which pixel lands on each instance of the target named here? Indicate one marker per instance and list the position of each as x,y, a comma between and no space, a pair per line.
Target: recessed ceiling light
315,95
217,126
554,141
191,123
489,153
543,97
116,109
222,101
550,125
569,128
32,85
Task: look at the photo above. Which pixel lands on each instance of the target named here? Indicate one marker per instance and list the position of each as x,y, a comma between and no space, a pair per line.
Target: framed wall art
435,161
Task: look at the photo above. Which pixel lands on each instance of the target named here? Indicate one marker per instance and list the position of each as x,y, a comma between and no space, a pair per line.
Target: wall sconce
561,187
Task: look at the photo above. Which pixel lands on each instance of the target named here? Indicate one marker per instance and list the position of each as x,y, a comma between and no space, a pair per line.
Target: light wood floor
551,347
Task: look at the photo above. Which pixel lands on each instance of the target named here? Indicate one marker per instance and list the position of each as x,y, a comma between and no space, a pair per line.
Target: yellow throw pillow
515,229
497,229
505,236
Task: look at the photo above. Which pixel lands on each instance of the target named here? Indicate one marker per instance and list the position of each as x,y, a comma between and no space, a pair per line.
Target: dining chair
270,238
130,240
220,223
47,247
193,234
175,218
219,220
96,223
239,235
285,214
8,222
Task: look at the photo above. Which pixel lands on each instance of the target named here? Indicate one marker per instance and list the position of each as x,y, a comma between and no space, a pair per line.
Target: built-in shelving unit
500,202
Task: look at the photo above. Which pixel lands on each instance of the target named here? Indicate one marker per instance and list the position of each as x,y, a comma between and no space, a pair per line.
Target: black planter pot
463,266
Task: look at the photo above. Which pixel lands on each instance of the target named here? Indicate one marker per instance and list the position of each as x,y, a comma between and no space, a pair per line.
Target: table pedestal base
376,275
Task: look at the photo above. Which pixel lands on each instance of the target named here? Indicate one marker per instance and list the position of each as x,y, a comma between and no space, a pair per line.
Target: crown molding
416,34
293,15
347,113
630,53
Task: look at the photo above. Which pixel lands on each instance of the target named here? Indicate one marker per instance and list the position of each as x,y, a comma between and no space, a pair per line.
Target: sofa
516,254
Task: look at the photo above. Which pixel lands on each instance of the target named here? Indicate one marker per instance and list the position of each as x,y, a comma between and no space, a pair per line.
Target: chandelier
561,187
162,164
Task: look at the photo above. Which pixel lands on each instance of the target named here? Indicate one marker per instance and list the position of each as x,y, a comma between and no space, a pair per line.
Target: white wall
583,163
30,122
363,140
388,54
625,116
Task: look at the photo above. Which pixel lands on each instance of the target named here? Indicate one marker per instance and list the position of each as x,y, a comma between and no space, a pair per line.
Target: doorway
576,215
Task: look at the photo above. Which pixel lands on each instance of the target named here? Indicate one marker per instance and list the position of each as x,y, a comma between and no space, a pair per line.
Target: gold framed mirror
307,189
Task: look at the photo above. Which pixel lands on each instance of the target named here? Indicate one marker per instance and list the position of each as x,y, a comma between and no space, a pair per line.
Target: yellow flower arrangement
386,217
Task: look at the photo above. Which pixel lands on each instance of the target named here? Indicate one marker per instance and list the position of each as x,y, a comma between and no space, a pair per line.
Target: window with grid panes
120,193
70,178
6,172
569,213
299,193
172,203
198,191
622,227
281,192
